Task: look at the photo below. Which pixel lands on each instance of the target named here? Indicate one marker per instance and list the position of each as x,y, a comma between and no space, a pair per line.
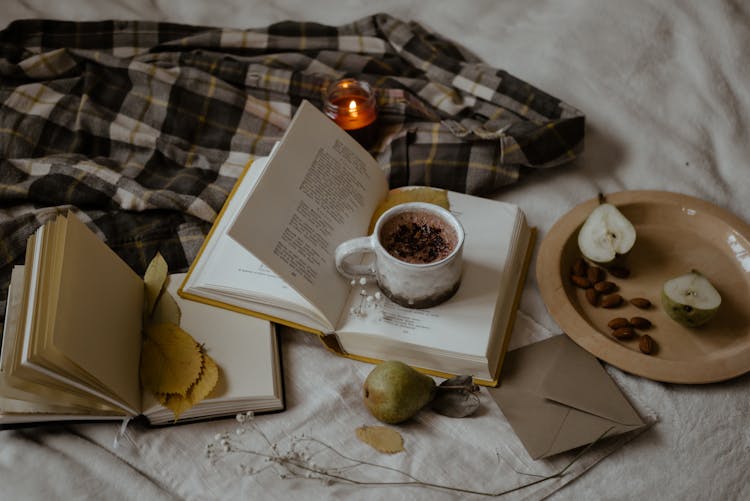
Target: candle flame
353,111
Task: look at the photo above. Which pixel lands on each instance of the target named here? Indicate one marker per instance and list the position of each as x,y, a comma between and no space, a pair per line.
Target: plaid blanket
142,128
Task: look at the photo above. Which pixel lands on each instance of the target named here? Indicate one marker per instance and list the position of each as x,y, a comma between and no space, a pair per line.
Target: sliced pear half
690,299
606,234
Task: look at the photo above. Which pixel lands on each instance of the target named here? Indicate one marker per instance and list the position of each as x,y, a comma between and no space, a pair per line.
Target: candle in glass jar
351,104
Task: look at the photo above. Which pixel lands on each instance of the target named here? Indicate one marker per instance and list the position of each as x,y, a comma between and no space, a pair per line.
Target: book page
49,270
228,273
461,327
231,266
15,389
319,189
245,350
98,317
20,372
18,346
27,381
16,308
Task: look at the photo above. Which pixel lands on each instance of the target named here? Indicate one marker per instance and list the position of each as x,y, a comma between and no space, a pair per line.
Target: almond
646,344
640,323
619,271
623,333
581,282
595,274
641,302
611,301
592,297
580,267
605,287
617,323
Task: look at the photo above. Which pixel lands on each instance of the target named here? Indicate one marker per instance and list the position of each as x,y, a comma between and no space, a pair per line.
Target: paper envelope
557,396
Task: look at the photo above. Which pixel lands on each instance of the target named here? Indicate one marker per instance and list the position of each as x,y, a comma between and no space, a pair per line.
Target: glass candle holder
351,104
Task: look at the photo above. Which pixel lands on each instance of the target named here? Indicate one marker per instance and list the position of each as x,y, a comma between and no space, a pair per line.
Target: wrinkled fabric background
143,127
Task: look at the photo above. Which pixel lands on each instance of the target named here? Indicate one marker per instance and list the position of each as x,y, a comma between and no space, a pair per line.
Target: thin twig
327,474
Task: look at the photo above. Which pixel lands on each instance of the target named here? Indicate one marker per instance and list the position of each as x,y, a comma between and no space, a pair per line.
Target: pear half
606,235
690,299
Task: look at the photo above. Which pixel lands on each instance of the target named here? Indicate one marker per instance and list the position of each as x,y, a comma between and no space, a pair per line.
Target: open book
72,339
271,253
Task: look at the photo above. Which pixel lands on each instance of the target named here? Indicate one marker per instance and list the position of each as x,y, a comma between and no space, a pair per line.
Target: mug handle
350,247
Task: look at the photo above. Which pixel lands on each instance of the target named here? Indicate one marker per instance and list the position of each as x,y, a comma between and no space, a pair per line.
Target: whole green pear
394,392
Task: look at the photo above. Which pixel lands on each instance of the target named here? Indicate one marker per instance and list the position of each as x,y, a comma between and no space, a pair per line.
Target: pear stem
601,198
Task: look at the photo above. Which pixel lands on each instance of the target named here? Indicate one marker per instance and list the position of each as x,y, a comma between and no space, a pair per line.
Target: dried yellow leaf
381,438
154,280
175,403
410,194
171,360
166,311
197,392
206,382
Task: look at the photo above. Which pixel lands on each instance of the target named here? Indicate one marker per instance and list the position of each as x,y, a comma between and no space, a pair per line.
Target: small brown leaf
455,403
456,397
381,438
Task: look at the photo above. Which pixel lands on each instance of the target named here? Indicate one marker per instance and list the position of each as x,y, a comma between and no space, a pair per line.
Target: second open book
72,336
271,254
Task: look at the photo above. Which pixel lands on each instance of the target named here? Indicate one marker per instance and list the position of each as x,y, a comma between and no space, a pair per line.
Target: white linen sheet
665,86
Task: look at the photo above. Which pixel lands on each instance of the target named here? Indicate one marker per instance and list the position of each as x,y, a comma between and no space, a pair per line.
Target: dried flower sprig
367,301
298,461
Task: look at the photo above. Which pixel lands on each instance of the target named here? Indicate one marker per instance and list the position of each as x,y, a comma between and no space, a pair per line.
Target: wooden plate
675,233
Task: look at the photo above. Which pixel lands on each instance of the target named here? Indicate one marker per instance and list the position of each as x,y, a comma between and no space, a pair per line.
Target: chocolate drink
418,237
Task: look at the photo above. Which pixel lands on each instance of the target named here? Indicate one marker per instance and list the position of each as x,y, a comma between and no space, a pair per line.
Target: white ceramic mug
434,273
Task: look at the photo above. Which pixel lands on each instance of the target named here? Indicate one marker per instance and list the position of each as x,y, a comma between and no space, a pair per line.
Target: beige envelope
557,396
